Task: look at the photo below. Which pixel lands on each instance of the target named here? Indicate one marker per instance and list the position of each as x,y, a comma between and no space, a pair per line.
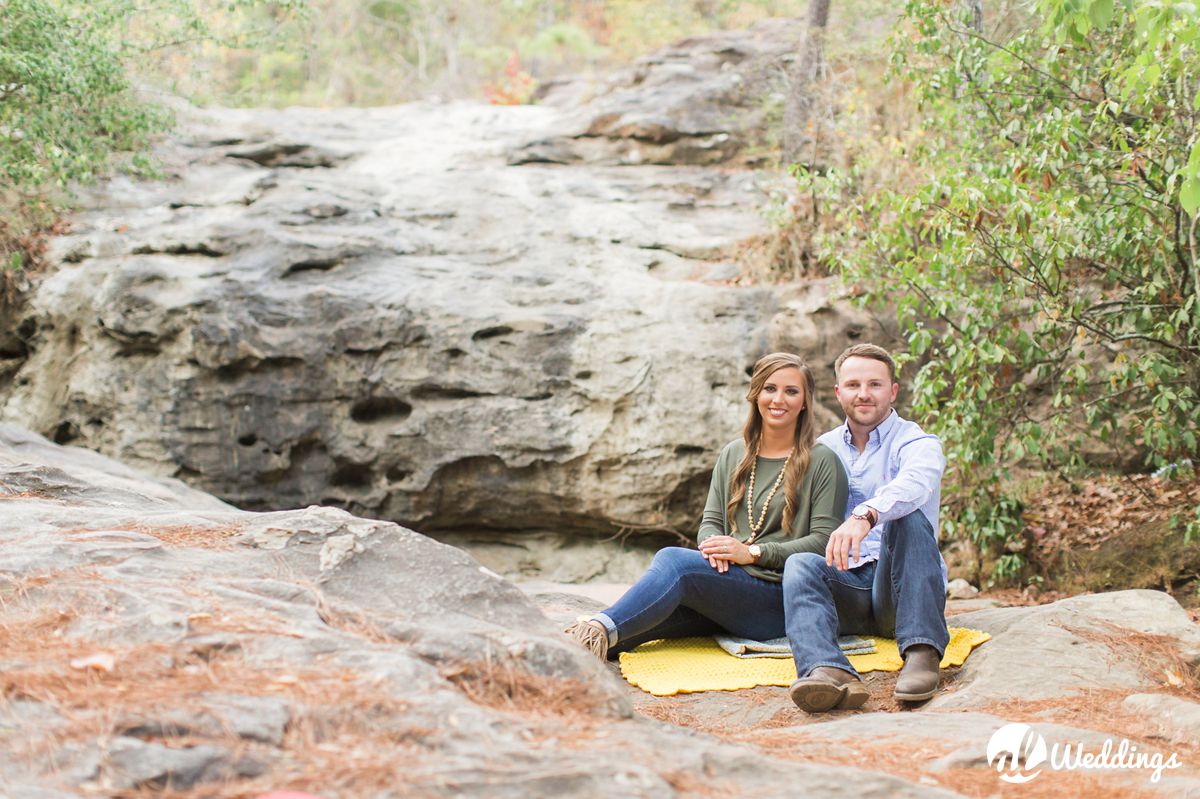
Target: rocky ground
157,642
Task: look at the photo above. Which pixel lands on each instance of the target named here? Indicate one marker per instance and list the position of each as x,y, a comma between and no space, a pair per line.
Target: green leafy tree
67,104
377,52
1044,266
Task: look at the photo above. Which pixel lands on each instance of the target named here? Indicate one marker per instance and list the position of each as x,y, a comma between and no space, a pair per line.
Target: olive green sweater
819,510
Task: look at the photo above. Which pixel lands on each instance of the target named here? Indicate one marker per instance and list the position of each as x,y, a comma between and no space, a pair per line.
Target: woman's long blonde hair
802,445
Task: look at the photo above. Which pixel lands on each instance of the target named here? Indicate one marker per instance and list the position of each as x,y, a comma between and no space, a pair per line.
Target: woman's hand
721,550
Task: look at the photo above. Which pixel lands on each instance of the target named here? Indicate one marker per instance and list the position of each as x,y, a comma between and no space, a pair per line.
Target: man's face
865,391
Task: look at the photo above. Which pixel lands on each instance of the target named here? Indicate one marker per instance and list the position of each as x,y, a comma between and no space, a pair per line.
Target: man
882,572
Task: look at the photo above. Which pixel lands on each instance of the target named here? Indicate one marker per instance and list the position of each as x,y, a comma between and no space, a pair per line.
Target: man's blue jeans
901,595
681,595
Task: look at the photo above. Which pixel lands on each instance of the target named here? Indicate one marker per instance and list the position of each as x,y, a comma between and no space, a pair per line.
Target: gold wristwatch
755,551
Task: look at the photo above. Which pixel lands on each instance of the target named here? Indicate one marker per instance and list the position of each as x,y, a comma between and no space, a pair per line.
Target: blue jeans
901,595
681,595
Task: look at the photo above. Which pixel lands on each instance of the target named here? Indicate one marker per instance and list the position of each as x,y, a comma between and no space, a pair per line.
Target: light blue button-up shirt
899,471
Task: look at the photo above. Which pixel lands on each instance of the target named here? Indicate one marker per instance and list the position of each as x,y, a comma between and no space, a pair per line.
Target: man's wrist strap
870,516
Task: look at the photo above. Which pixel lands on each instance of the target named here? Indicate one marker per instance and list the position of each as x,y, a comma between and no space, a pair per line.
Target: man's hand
843,544
721,550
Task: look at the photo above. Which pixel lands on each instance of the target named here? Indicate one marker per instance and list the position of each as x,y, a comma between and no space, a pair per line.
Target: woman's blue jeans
901,595
681,595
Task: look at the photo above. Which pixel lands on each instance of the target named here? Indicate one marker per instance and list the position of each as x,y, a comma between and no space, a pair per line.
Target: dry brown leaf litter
1087,513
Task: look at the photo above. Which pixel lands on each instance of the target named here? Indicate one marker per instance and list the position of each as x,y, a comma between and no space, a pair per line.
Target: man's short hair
872,351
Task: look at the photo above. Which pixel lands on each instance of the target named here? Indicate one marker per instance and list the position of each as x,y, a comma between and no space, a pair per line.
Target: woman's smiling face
782,399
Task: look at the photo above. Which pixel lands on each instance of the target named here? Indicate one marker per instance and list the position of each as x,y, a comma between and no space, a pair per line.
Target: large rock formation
154,640
703,100
372,308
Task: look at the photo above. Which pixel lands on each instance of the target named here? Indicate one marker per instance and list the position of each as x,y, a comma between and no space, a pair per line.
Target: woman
774,492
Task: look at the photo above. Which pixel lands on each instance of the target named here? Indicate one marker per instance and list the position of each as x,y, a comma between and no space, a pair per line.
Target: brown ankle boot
827,688
919,678
591,635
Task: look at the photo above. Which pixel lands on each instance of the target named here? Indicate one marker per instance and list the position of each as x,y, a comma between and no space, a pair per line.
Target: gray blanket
779,647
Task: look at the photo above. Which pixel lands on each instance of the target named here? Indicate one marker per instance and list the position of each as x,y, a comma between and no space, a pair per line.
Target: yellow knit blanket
688,665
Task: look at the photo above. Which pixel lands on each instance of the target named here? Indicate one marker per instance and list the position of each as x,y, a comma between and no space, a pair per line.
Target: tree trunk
806,72
707,9
976,8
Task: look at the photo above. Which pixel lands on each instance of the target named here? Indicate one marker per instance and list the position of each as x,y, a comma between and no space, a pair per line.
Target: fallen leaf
101,661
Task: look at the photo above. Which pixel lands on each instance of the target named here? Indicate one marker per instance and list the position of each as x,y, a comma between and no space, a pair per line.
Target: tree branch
1111,337
1028,65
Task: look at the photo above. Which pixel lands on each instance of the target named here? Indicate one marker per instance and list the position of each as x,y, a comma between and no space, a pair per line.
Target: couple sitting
808,537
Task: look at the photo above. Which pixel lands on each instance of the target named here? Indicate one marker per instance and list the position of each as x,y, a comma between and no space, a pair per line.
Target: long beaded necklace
755,529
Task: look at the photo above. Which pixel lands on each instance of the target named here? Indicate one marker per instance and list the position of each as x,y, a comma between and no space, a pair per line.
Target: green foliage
1008,567
67,104
1044,264
65,107
560,40
1191,526
349,52
1186,520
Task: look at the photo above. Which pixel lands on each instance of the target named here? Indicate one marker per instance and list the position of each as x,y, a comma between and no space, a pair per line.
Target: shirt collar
886,426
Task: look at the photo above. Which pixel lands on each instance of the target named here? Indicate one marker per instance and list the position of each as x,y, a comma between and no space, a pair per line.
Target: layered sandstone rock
703,100
376,309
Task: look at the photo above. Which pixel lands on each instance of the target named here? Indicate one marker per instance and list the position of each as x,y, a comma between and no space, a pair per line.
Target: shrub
1044,264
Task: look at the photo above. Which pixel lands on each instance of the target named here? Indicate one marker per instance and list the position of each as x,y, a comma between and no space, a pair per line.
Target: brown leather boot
827,688
919,678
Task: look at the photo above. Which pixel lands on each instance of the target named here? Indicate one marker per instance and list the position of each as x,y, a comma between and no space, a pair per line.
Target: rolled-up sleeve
917,480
